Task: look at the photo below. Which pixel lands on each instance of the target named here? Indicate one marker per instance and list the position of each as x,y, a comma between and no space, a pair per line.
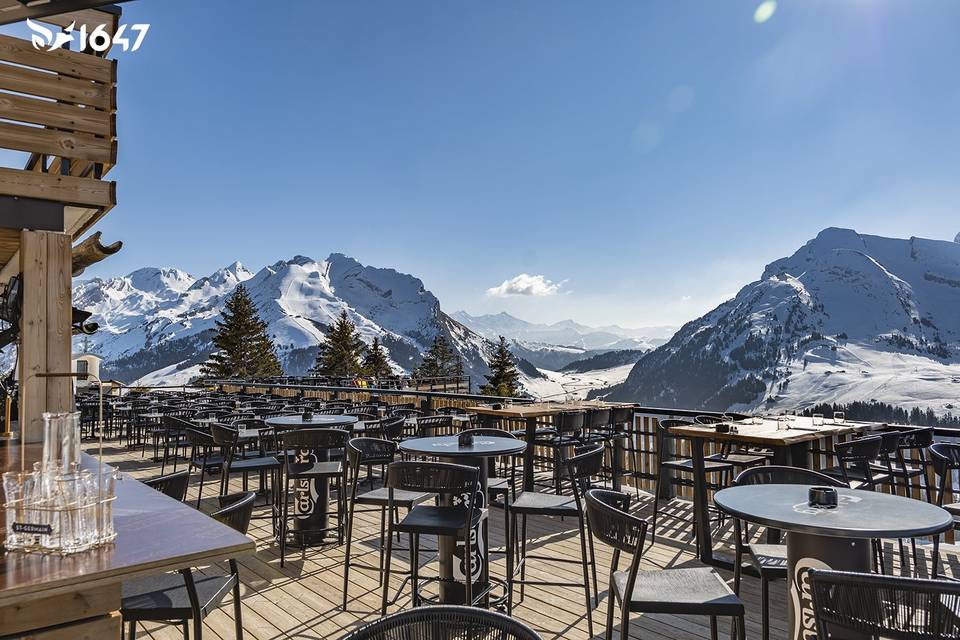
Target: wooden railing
641,443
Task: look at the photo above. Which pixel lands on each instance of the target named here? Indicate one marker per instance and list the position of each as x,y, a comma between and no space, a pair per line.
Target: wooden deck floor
302,600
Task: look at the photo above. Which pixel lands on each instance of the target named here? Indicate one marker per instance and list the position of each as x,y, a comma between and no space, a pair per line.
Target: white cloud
686,298
526,285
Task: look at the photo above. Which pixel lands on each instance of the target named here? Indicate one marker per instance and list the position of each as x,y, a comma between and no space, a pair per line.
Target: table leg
528,454
616,462
701,514
451,549
311,510
805,552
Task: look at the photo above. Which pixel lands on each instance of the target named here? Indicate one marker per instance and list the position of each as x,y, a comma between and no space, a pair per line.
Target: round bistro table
837,538
451,550
311,495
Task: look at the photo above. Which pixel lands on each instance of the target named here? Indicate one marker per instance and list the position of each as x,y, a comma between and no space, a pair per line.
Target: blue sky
646,158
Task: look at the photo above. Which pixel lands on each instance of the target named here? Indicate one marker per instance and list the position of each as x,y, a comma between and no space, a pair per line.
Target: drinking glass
61,440
818,419
13,487
839,417
757,419
783,422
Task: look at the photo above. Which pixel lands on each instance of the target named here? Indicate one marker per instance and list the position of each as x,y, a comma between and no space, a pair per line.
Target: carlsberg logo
99,40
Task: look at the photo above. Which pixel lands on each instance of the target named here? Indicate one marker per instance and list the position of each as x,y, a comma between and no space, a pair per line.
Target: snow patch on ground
559,384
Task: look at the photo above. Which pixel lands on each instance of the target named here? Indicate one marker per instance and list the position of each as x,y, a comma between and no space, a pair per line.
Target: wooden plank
57,114
33,334
59,609
66,189
58,87
59,347
102,628
76,146
70,63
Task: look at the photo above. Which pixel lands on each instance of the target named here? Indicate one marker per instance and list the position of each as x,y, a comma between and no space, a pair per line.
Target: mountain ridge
847,317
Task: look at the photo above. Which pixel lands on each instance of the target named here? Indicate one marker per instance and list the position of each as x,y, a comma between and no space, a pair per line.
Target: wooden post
45,345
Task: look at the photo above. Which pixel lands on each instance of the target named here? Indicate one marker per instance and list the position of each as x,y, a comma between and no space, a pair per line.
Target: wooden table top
541,409
801,429
155,534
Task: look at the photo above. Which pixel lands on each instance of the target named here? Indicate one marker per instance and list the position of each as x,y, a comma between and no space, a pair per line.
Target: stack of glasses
59,507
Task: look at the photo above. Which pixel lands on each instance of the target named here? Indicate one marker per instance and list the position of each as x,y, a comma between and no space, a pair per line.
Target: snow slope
157,323
847,317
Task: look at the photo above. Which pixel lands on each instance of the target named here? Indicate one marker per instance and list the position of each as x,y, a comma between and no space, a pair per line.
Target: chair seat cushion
769,559
381,497
540,432
255,464
164,596
953,509
739,459
710,466
315,469
498,485
437,520
534,502
698,590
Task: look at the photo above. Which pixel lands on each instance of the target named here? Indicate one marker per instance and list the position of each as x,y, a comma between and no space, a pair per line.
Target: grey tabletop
859,514
315,421
449,447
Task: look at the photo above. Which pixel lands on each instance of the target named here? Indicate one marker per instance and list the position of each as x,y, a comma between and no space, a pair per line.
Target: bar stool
945,458
449,481
678,465
368,452
579,470
267,467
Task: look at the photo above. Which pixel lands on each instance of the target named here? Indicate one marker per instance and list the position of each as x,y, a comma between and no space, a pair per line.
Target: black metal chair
579,470
560,439
444,622
182,597
322,442
769,559
267,468
910,465
434,426
866,605
945,458
365,452
854,458
204,456
678,465
451,482
173,485
687,591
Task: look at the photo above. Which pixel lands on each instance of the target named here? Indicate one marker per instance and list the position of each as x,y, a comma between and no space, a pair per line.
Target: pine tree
243,348
376,363
438,362
504,379
341,349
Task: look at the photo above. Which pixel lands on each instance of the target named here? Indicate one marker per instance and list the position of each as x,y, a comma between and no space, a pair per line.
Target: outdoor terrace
302,599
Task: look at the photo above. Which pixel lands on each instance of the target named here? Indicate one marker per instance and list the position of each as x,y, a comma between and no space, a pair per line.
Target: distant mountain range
157,323
565,333
847,317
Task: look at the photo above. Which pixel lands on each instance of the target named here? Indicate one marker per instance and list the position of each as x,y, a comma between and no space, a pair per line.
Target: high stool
578,469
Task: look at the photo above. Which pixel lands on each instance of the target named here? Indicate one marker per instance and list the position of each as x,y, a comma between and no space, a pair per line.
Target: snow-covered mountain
157,324
565,333
847,317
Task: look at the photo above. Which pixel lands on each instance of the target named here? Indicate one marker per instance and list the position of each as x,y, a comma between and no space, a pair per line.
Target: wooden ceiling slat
71,63
57,143
66,189
57,87
56,114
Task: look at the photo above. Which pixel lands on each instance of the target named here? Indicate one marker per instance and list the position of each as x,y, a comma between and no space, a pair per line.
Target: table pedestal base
805,552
